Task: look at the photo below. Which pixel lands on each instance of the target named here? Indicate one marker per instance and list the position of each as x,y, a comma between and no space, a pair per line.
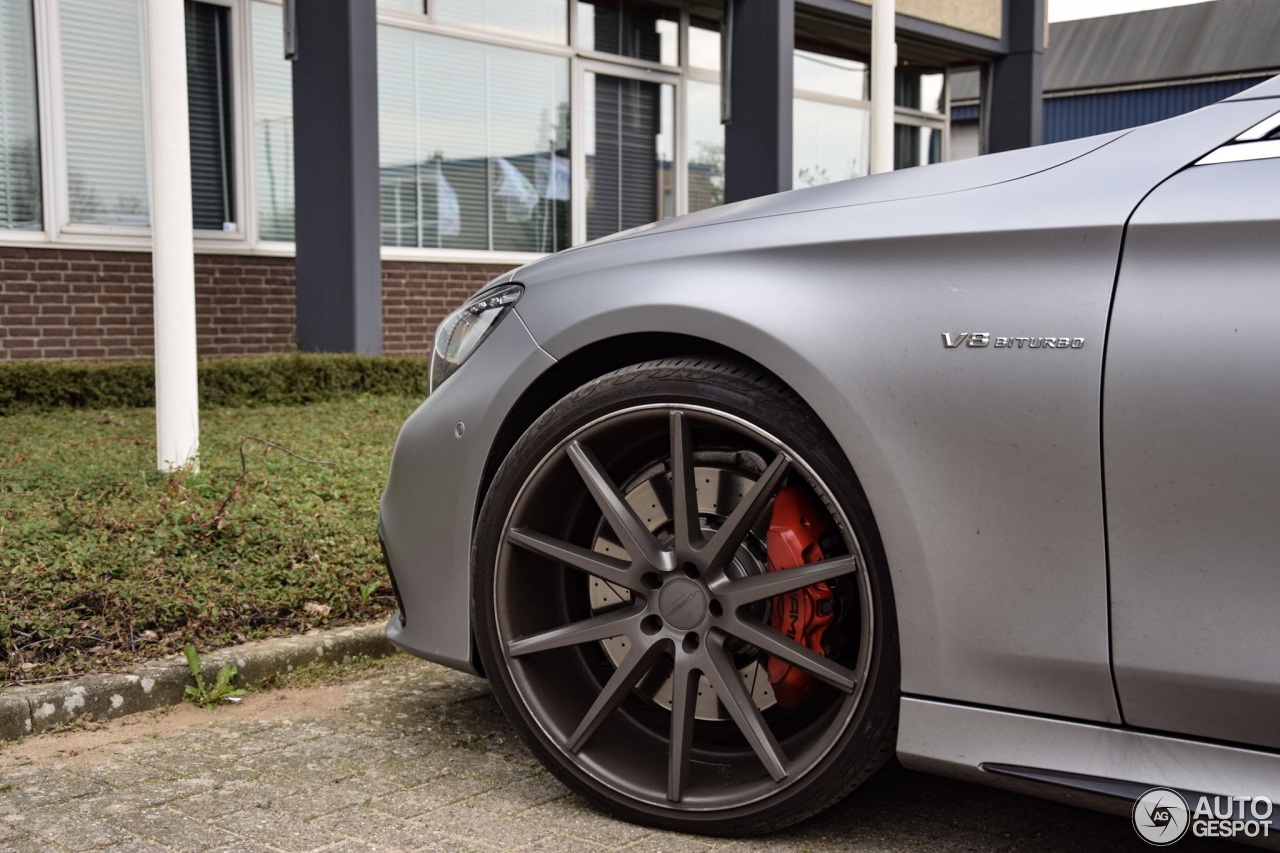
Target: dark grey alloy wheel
622,602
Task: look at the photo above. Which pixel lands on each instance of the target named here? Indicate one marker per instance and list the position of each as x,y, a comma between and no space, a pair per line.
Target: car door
1191,450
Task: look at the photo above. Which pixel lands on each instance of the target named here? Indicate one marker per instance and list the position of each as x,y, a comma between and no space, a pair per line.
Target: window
104,105
705,137
630,152
920,89
704,134
272,124
831,121
831,75
544,20
631,30
474,145
704,46
104,78
19,131
418,6
920,95
916,145
476,152
209,114
830,142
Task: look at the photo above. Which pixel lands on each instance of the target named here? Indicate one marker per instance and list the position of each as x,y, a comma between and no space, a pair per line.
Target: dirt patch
90,742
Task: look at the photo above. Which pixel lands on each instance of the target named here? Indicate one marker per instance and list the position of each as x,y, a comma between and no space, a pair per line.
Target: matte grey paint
987,494
983,466
1192,415
430,499
1269,89
935,180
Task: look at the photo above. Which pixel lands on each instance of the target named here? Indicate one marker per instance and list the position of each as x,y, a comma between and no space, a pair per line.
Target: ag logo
1161,816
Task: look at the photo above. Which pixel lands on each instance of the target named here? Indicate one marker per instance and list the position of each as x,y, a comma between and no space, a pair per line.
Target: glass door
630,147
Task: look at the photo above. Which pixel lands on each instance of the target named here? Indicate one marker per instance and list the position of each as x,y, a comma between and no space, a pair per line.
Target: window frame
933,121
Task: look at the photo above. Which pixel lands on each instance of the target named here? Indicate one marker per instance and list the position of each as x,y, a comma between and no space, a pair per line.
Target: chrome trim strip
1261,130
1262,150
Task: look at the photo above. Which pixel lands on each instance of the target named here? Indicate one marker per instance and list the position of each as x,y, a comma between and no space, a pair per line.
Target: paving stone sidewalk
417,757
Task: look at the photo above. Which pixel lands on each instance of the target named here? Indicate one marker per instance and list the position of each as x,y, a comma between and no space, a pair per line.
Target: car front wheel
681,603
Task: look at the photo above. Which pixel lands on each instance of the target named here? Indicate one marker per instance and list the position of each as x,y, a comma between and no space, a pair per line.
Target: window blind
209,111
104,78
19,131
546,20
628,156
473,144
272,124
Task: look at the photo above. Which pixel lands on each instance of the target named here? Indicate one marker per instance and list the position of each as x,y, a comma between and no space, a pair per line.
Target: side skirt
1089,765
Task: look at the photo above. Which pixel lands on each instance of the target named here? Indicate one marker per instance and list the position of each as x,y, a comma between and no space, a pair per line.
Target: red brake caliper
803,615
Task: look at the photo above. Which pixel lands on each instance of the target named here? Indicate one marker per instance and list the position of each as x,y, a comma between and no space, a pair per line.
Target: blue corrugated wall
1074,116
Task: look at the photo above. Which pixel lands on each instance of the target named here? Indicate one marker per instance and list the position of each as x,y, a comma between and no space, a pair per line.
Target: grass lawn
103,561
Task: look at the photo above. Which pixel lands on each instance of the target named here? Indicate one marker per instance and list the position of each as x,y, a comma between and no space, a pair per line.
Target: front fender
981,465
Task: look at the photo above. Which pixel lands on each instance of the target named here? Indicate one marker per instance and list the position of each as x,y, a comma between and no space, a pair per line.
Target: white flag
448,214
554,177
515,187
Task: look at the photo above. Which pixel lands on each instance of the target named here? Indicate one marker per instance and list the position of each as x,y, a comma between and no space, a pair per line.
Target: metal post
884,61
758,76
172,257
1014,99
335,151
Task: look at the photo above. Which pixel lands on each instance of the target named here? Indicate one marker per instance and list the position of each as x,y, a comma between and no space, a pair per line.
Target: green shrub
35,386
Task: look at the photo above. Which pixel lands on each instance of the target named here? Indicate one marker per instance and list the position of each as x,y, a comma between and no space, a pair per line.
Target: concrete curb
30,710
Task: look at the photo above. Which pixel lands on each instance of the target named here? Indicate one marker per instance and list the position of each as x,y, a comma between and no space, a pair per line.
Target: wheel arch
591,362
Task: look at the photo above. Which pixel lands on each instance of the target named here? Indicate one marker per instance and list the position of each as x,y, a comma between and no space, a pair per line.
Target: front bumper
430,503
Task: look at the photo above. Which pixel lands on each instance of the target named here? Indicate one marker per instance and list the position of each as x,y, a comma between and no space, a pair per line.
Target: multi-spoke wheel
681,603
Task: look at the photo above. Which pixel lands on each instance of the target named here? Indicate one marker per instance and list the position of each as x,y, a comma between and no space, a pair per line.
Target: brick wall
416,297
64,304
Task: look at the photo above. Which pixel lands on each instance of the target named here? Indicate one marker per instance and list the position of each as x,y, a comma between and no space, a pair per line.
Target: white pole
172,259
884,59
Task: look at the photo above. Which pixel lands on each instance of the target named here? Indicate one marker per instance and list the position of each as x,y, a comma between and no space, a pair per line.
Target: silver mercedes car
974,464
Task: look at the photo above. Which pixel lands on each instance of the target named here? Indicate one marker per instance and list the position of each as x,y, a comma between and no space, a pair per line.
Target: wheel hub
683,604
719,490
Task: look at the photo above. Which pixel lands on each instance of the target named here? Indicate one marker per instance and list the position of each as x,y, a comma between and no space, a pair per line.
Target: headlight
465,329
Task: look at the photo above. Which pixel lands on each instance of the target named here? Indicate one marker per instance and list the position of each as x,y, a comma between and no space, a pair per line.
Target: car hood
939,179
919,182
1129,163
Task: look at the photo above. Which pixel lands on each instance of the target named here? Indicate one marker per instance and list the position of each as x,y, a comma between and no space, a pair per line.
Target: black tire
602,667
